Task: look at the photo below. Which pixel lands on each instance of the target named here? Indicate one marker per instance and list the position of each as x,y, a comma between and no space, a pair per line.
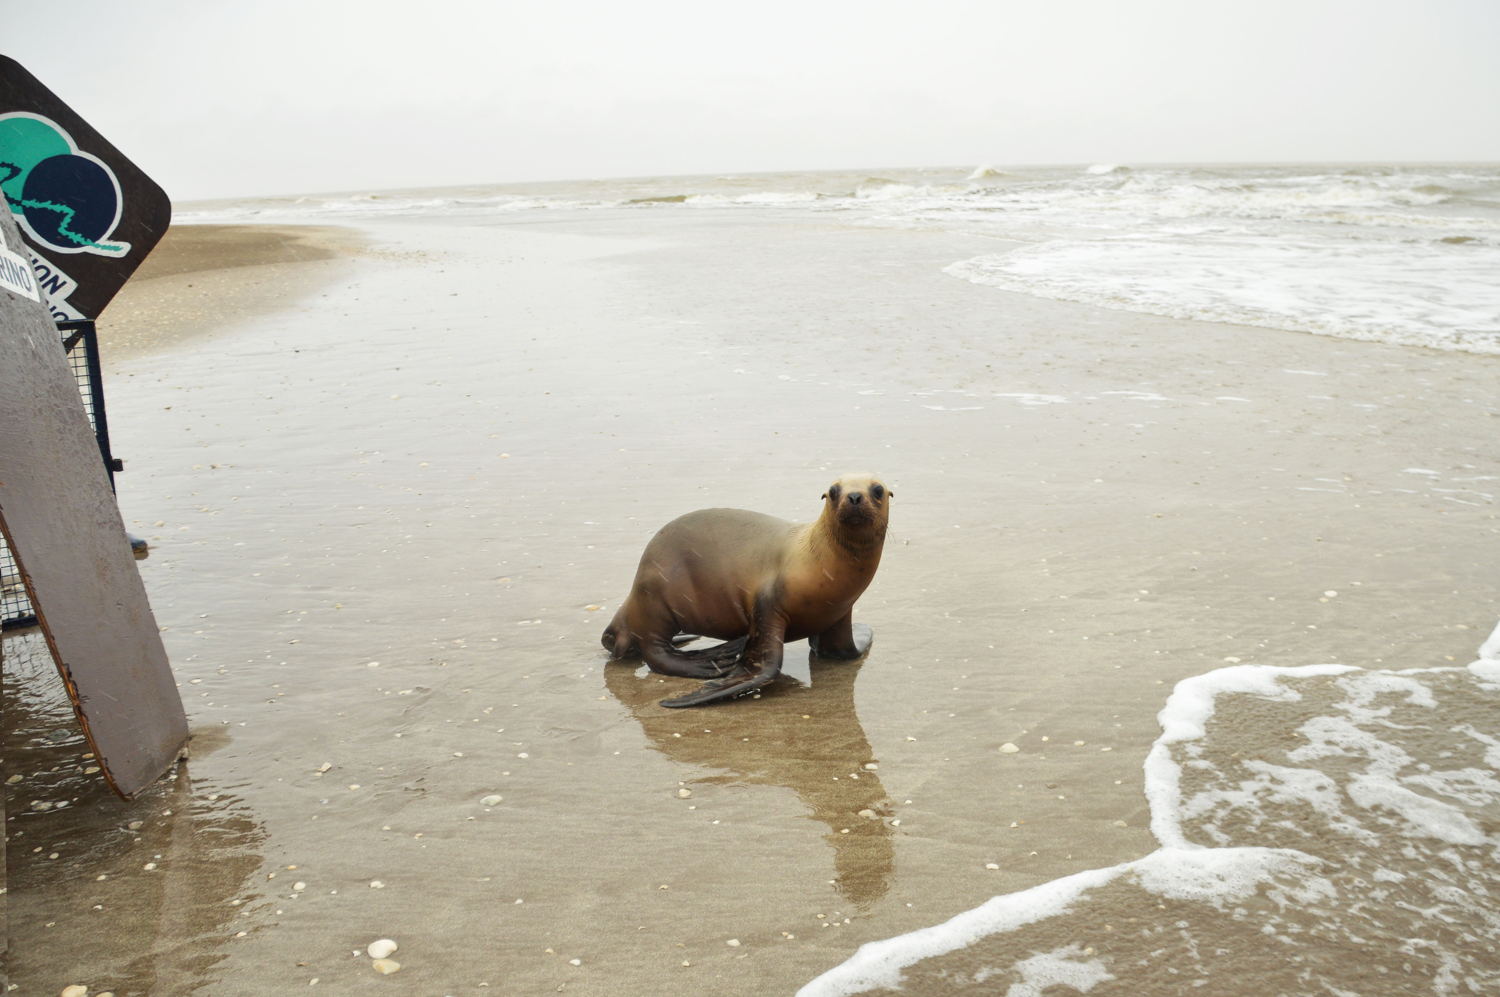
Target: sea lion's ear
824,495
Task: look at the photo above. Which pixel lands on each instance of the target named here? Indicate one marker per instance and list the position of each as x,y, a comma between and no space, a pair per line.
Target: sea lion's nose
855,498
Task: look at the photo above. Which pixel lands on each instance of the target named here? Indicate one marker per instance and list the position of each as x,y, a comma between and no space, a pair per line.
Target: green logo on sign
66,199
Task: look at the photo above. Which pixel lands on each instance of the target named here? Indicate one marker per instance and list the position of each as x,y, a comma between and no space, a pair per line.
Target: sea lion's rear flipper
725,655
737,683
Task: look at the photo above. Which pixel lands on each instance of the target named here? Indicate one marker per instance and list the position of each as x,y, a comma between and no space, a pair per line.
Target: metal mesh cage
81,345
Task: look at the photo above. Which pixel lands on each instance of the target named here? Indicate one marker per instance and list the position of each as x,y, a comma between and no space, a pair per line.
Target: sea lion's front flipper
760,653
844,640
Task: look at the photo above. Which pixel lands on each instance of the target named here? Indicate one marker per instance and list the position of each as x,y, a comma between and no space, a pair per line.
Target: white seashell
385,966
381,947
492,800
76,990
1008,748
684,793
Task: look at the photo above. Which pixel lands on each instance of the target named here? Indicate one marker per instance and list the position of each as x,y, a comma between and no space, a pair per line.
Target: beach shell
385,966
492,800
76,990
381,947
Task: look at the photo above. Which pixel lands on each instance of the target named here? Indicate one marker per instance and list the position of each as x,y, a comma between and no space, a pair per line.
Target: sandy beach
396,476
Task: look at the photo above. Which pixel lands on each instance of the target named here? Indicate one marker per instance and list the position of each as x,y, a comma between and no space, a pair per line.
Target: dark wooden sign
87,214
59,517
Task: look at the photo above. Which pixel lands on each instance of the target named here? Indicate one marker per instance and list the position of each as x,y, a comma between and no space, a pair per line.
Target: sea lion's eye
877,492
833,494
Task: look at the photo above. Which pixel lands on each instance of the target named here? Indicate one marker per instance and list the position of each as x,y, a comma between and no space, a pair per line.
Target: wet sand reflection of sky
811,743
154,876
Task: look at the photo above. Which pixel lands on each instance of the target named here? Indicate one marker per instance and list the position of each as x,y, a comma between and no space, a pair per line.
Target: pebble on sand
1008,749
492,800
76,990
684,793
381,947
385,966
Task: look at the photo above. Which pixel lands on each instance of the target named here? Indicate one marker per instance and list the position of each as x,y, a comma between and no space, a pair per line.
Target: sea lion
755,582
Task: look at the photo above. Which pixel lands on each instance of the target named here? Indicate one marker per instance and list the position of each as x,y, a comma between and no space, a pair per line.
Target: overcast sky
216,99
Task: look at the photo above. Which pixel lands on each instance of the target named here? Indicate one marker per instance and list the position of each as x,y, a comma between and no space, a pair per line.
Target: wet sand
201,279
390,515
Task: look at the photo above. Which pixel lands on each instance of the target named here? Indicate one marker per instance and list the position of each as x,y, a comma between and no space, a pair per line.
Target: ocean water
1324,829
1394,254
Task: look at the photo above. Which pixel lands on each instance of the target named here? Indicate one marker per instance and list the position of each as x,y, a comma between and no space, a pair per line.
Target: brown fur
755,582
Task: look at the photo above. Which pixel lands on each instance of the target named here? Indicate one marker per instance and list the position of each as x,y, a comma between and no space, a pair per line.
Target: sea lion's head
857,508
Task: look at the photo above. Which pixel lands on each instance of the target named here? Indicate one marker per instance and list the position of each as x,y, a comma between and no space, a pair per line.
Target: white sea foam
1359,817
1183,721
1060,967
1424,294
755,197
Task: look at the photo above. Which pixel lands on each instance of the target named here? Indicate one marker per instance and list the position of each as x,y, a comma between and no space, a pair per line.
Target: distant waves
1405,255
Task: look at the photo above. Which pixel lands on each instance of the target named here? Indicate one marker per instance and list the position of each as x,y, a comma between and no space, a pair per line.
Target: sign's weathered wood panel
60,519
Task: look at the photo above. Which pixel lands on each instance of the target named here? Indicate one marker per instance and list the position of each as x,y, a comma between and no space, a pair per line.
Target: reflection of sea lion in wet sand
755,582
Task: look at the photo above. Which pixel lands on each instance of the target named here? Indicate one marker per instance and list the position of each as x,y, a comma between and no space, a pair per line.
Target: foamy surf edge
1190,873
1179,869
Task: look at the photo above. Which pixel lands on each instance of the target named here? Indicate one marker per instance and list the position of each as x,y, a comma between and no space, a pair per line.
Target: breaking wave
1326,829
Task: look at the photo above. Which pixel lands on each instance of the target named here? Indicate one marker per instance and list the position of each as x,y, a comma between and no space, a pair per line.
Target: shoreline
200,280
399,567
